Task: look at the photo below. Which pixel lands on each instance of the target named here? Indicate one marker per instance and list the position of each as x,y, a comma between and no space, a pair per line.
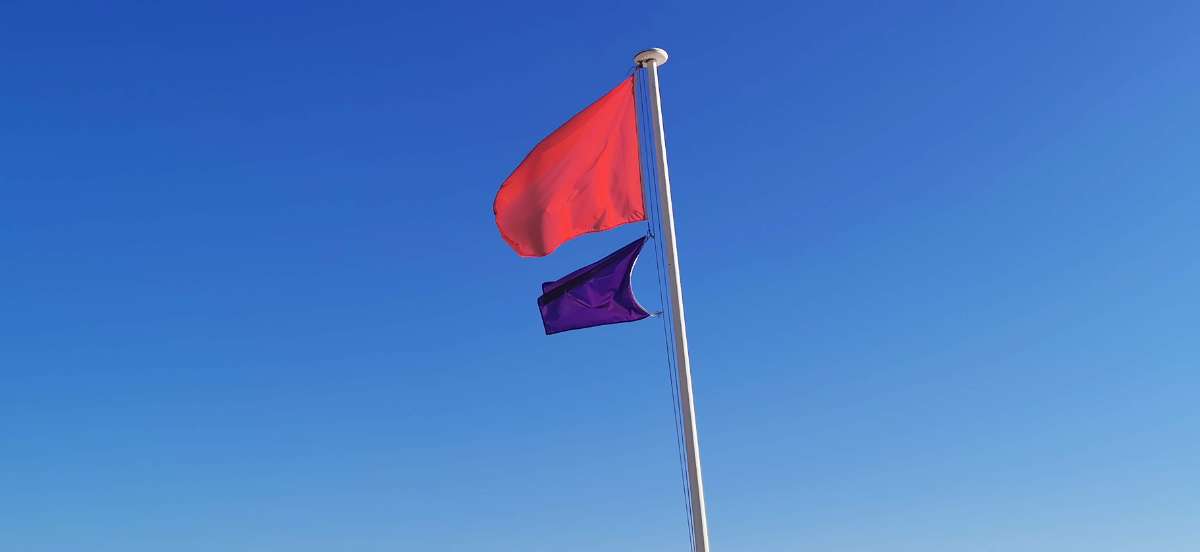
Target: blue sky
939,262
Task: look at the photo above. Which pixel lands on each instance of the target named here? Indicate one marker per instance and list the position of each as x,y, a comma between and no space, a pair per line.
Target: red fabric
583,177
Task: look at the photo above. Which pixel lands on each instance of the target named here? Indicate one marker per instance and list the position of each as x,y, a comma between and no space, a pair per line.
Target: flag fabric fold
584,177
597,294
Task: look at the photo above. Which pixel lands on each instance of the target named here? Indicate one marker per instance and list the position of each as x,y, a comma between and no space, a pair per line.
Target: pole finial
657,55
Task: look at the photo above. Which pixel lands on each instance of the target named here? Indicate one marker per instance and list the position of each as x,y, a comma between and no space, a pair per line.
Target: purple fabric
597,294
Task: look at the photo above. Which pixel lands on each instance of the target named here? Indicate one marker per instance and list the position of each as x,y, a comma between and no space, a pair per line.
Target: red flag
583,177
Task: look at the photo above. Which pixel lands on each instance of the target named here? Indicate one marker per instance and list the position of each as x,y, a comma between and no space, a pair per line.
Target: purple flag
597,294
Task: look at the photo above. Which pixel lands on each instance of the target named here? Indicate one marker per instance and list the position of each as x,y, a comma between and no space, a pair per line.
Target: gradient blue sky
940,263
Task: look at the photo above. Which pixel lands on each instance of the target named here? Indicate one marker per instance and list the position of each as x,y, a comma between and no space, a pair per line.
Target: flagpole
650,60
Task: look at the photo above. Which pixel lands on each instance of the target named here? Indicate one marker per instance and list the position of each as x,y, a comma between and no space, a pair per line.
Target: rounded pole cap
657,55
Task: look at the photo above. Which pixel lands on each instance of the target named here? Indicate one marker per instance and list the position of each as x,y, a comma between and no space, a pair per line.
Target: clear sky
940,263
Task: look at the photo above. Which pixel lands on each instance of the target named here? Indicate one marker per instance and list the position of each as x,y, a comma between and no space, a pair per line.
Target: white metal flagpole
650,60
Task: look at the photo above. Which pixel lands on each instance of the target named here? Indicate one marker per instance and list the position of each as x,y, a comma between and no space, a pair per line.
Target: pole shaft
690,436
